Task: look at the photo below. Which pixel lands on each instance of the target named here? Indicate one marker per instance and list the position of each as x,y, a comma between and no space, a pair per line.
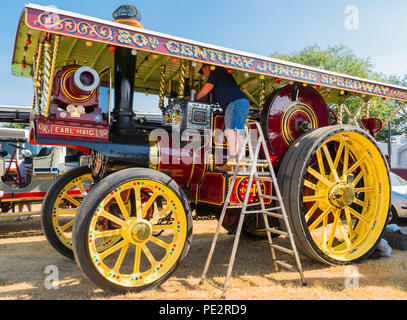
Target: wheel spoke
311,211
349,221
137,192
160,242
72,200
112,218
313,198
122,207
355,165
161,214
345,163
112,249
333,230
149,204
80,187
121,257
72,211
148,255
137,256
318,176
318,220
358,215
339,153
320,162
360,175
344,235
67,225
310,185
365,189
359,202
330,162
107,233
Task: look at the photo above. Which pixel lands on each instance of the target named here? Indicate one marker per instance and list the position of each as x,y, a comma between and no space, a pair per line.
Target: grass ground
25,255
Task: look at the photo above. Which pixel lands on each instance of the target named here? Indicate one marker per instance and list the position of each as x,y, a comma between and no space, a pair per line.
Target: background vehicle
43,166
128,215
398,198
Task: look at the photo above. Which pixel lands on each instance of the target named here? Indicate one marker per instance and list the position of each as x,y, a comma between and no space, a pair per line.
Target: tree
16,125
339,58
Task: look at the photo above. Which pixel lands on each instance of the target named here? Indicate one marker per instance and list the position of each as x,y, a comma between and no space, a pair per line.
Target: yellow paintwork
331,194
132,246
58,210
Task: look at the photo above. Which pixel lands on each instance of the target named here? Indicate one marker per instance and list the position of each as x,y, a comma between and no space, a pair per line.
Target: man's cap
26,153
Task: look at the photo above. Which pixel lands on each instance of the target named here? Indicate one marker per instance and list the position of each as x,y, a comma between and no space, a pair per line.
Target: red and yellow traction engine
126,217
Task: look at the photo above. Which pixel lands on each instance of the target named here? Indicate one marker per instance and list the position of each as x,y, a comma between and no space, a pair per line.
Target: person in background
3,153
25,172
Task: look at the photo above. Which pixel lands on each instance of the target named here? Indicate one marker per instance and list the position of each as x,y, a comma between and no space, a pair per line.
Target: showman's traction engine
126,217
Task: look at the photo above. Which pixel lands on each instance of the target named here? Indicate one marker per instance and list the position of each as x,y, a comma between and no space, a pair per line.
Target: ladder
254,163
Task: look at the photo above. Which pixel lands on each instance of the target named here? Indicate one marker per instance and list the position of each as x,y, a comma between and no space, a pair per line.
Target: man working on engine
233,102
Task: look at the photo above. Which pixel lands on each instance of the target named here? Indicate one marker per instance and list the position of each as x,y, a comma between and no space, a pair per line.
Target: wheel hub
342,195
137,231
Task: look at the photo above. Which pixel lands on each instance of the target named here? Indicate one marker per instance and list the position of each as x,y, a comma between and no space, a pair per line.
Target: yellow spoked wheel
154,233
335,186
60,205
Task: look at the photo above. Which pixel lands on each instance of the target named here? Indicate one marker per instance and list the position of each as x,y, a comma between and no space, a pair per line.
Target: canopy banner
79,26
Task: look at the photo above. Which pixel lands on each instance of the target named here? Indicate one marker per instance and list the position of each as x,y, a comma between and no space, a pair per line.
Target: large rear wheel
154,235
335,186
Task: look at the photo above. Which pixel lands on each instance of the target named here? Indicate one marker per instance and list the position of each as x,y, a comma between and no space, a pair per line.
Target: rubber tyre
89,205
48,205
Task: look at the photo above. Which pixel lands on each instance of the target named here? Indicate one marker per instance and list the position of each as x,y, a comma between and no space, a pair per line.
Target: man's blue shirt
225,87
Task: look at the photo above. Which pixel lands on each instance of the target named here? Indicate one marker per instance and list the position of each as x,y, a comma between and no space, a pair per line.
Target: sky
256,26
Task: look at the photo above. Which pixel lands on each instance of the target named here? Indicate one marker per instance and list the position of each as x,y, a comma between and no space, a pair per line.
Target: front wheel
154,234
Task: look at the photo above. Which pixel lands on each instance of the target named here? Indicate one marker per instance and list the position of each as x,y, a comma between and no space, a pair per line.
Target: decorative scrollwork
53,21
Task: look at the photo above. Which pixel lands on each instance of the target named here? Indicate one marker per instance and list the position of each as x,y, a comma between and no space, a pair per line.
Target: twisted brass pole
181,83
49,70
262,92
36,79
162,87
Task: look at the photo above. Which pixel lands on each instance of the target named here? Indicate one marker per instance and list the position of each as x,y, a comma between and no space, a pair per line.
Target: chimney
124,72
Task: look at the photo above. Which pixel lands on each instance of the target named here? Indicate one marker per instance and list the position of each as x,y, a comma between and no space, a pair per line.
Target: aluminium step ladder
254,163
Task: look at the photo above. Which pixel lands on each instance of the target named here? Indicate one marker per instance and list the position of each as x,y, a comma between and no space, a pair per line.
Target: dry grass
24,254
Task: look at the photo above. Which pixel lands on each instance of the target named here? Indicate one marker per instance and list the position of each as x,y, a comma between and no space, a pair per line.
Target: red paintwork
240,187
277,109
33,141
20,181
70,129
65,78
373,125
182,164
30,195
212,188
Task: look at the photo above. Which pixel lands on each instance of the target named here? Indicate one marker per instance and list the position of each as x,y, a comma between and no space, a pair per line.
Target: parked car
398,198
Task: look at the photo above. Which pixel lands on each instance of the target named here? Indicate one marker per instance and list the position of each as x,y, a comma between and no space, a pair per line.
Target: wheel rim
346,191
66,206
152,233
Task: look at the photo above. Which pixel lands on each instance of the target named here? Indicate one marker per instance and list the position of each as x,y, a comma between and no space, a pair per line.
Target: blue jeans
236,114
